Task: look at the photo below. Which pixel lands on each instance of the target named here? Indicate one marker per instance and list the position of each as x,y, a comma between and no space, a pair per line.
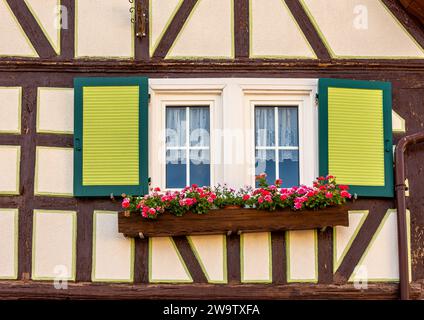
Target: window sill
228,221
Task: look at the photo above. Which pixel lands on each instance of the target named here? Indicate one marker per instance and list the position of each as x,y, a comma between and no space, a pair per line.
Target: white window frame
232,102
163,97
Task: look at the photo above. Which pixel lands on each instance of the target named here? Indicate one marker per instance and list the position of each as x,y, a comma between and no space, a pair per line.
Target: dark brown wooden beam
55,140
241,28
233,259
45,290
325,256
190,260
67,33
27,172
376,214
85,211
174,28
142,49
32,29
141,261
221,68
279,260
308,29
415,28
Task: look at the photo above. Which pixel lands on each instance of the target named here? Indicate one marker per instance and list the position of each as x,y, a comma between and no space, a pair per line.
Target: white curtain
265,127
199,126
175,127
287,127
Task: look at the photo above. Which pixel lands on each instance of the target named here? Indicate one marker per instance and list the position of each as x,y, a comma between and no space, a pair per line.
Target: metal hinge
317,99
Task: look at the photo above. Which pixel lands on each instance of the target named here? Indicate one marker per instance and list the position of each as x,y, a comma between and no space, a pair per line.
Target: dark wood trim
142,45
141,261
32,29
174,28
221,68
10,139
308,29
325,256
27,172
233,259
241,28
190,260
67,36
414,28
279,260
84,240
377,211
55,140
12,290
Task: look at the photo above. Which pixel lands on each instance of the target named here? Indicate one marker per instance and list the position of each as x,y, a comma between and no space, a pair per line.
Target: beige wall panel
10,110
207,33
362,28
380,260
103,29
398,123
166,264
54,171
113,254
211,253
8,243
54,245
13,41
55,110
9,169
256,257
274,32
161,14
302,260
47,13
344,236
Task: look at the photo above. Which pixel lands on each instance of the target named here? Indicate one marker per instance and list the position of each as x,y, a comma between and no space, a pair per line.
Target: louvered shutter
355,135
110,136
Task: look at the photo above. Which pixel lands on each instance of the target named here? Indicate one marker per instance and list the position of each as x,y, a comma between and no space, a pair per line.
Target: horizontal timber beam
45,290
208,66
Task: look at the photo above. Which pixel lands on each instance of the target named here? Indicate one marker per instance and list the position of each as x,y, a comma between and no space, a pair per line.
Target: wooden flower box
229,221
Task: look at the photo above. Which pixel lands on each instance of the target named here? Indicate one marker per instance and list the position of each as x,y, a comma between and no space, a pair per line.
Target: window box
227,221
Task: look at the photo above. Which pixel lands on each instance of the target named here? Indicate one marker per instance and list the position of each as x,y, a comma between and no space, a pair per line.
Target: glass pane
265,162
175,126
264,127
199,126
289,168
200,167
288,127
176,169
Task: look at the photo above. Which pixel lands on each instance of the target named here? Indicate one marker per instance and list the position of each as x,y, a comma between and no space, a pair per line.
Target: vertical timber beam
67,32
241,28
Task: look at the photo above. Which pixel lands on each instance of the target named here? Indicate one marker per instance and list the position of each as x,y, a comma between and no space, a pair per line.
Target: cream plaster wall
10,109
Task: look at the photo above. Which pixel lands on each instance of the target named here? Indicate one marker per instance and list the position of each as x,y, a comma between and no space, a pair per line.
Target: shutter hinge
149,96
317,99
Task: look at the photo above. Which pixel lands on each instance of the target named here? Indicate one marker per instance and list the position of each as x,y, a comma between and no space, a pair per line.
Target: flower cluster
324,193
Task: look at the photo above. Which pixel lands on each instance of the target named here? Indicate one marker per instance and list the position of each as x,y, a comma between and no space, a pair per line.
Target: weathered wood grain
231,221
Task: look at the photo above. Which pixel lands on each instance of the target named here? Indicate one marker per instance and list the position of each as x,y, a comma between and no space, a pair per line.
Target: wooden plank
142,43
279,259
231,221
45,290
233,259
67,38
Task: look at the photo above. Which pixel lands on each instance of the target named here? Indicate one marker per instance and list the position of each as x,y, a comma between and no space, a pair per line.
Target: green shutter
355,135
110,137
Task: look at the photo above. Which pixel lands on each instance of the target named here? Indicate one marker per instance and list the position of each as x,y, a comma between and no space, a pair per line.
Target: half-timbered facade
227,67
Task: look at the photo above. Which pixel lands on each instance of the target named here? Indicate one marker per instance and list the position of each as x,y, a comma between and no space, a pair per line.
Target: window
277,144
187,146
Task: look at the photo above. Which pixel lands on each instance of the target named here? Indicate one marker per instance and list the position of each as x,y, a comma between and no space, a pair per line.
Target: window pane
287,127
200,167
175,127
199,126
265,162
264,126
176,169
289,168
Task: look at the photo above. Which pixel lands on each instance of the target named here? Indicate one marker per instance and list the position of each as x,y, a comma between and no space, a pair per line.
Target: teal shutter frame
106,189
324,86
